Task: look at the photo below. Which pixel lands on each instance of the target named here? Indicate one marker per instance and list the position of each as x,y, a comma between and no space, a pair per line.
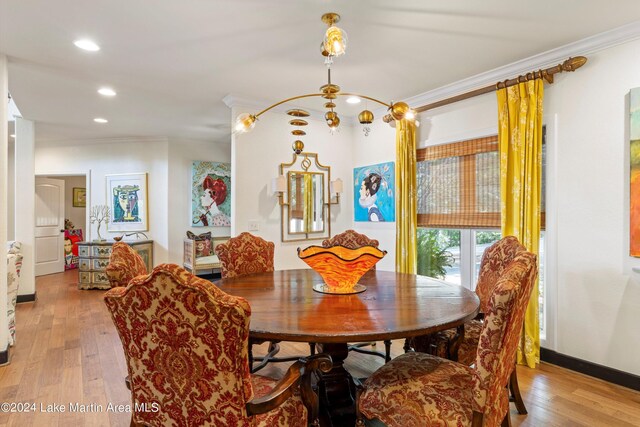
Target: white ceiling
172,62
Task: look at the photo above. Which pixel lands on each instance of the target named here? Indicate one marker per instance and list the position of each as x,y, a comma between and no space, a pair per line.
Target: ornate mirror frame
304,163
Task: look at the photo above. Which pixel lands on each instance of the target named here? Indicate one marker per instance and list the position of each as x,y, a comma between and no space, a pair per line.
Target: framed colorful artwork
71,239
79,197
374,193
127,201
634,178
210,194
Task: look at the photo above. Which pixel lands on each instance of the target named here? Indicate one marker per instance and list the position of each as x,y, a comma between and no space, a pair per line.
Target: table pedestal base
336,388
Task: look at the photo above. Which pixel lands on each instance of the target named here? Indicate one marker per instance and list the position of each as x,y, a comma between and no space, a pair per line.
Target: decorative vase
340,267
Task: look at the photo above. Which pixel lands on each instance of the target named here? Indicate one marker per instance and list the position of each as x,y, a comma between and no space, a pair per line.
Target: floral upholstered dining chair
249,254
350,239
245,254
124,265
418,389
461,344
186,346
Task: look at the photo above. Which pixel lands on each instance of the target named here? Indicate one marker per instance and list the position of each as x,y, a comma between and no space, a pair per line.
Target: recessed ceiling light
353,100
100,120
86,44
13,135
106,91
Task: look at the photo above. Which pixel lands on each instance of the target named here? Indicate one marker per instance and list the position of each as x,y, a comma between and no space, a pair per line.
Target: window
459,184
459,210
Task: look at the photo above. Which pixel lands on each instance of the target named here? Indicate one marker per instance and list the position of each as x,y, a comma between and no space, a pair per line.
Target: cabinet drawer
99,263
100,251
83,251
84,264
99,277
85,277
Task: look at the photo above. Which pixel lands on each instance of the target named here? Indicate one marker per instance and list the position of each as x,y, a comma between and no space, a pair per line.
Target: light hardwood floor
68,353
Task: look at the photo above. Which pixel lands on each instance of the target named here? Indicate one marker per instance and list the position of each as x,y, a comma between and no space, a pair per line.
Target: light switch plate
254,225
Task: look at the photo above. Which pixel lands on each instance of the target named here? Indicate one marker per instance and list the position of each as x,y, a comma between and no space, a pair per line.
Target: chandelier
333,45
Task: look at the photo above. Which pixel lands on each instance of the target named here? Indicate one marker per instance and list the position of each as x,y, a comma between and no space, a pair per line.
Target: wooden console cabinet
93,258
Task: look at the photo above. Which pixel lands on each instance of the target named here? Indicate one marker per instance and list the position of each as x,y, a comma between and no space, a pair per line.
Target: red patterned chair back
245,254
124,265
186,345
501,334
350,239
494,260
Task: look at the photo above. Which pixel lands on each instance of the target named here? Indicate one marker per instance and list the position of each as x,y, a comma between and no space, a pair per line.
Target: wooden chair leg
407,346
312,348
515,392
387,351
506,421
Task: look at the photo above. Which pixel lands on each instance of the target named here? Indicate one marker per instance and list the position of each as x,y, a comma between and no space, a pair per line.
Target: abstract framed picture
128,202
210,194
79,197
374,193
634,178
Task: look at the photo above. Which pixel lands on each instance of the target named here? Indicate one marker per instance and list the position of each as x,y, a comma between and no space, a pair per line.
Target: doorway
60,222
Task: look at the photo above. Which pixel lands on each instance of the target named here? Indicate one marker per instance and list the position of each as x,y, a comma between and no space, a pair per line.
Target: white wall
598,295
100,159
11,170
4,150
24,213
256,157
378,147
182,154
594,297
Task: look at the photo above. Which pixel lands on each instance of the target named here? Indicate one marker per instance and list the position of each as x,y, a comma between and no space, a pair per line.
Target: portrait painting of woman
127,202
374,199
211,194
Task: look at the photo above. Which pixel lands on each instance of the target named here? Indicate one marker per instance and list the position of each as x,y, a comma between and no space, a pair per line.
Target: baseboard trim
26,298
4,356
611,375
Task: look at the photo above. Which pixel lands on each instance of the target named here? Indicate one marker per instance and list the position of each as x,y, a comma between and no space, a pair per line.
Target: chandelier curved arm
364,97
310,95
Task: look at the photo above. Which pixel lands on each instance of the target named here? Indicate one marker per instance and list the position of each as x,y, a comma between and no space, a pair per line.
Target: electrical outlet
254,225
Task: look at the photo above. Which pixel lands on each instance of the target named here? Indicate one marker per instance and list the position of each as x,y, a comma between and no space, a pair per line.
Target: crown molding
546,59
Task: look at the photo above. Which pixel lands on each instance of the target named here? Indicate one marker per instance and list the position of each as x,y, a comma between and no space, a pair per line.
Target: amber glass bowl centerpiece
340,267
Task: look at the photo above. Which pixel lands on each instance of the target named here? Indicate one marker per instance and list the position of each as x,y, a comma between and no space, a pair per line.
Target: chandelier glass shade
335,41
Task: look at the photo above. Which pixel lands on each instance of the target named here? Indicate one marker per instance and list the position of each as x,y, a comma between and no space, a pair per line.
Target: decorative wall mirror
306,202
305,199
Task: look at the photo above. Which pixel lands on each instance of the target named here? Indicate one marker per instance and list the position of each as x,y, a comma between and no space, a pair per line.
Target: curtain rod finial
573,64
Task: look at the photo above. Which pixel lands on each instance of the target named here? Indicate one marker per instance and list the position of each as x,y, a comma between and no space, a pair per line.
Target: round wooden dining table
284,307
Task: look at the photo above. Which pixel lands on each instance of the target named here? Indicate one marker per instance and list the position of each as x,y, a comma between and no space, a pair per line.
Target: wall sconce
336,188
279,186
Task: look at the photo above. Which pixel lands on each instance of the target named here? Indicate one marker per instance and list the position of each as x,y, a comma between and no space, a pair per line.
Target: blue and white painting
374,193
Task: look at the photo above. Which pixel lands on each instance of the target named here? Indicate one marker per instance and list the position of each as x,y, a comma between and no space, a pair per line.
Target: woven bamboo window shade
459,184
